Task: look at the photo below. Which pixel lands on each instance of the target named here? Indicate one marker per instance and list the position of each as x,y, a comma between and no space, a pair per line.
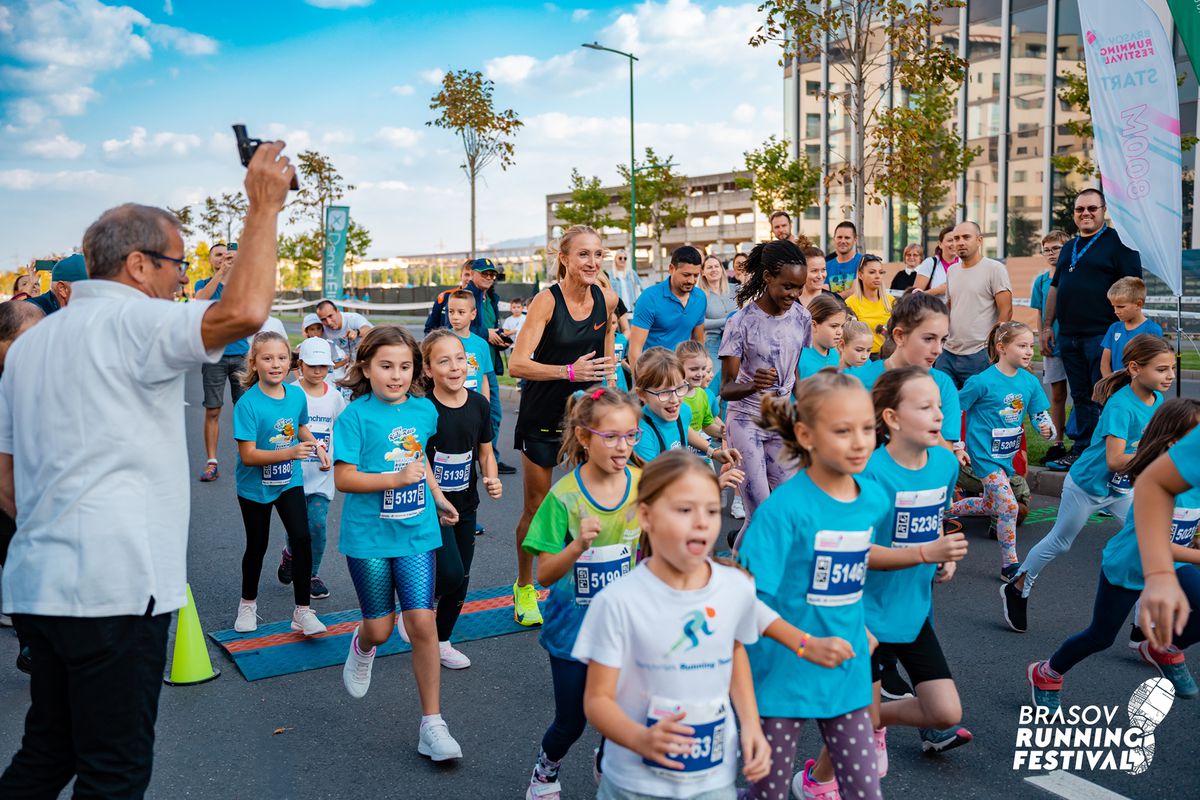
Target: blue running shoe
935,741
1172,666
1044,689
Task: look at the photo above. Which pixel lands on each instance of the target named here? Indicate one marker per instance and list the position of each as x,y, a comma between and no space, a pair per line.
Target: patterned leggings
851,744
764,462
998,501
380,581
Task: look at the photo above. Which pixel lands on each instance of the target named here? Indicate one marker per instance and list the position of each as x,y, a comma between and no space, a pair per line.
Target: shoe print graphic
1148,707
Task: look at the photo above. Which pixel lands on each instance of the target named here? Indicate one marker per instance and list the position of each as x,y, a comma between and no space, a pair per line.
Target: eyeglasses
179,262
679,391
610,439
1088,209
1049,251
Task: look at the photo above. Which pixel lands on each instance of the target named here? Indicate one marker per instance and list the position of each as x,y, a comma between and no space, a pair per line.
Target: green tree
187,221
1074,93
861,37
1024,236
588,204
921,154
465,107
660,199
779,181
220,215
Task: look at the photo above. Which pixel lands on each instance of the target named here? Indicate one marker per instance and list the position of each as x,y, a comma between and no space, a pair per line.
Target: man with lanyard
841,268
1078,302
625,281
486,325
672,311
233,360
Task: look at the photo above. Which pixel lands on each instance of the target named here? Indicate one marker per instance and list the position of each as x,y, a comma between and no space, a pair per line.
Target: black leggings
293,513
454,559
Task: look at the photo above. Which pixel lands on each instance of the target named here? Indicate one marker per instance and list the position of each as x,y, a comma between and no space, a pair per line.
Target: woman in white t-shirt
931,274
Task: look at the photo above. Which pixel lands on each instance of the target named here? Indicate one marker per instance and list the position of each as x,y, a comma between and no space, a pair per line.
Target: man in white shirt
98,484
342,329
980,295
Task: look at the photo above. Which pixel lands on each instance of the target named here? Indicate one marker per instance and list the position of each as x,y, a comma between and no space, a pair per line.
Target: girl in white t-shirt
931,273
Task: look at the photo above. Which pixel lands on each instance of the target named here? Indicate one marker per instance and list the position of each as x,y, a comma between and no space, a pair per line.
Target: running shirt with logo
612,554
1124,417
812,362
479,361
378,437
351,321
674,652
898,601
996,405
272,425
841,275
564,341
762,341
323,411
808,554
1121,562
869,372
455,446
659,435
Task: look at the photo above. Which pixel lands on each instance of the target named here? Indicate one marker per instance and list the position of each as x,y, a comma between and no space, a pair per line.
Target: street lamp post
632,163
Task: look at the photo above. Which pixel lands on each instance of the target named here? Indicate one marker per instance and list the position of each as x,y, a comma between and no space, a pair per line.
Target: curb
1045,481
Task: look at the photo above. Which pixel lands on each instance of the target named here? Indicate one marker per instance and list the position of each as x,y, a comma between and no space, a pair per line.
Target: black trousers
454,559
293,512
94,700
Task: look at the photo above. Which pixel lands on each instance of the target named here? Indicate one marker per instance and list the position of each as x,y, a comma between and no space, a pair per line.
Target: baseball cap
315,353
310,319
70,269
486,265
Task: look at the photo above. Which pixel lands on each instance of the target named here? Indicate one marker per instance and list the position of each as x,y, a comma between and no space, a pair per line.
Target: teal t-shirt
272,425
808,555
898,601
1122,562
812,362
996,404
479,361
1186,457
673,433
869,372
1125,417
376,436
620,348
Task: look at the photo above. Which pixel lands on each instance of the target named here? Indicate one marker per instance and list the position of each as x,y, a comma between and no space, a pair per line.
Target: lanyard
1077,254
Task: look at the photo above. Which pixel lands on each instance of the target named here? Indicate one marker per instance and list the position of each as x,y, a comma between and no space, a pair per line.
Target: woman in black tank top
565,344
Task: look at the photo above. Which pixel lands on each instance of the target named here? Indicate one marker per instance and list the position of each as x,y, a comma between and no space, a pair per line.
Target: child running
807,549
996,402
1097,480
464,436
460,312
270,424
828,317
325,404
390,519
585,535
698,372
666,420
1169,473
760,353
856,346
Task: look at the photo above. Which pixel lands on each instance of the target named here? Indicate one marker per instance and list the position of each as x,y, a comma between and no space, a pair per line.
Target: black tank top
564,340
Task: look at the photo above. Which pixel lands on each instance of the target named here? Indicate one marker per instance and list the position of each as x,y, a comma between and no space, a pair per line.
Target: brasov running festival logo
1090,737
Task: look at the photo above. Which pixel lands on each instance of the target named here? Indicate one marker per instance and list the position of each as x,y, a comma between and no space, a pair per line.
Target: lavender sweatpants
763,460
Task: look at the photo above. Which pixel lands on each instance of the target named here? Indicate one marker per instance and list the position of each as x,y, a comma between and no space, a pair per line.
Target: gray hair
123,230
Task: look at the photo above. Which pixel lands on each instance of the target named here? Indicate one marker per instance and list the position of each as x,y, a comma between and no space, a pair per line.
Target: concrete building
522,264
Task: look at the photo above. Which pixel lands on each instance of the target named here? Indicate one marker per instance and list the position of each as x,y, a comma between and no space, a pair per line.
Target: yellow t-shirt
873,314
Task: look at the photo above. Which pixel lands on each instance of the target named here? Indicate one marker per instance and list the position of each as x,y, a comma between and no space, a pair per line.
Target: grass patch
1191,359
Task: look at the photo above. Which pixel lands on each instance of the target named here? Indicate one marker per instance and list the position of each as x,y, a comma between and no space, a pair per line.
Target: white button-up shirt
91,409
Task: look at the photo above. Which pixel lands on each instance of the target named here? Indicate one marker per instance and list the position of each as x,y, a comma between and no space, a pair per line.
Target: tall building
1018,53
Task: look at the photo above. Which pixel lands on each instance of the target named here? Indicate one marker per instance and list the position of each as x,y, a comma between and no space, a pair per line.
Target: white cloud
510,69
399,138
432,75
744,112
168,8
677,35
186,42
404,90
337,137
339,4
142,145
72,103
26,179
580,14
384,186
59,146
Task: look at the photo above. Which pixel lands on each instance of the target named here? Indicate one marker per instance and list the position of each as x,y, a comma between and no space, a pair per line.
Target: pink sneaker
803,785
881,751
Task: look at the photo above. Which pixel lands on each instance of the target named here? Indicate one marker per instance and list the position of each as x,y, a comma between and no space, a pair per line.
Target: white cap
315,353
310,319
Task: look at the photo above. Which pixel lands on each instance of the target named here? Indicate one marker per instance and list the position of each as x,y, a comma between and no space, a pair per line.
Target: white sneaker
5,621
247,618
736,509
437,743
304,620
400,628
543,791
356,674
451,658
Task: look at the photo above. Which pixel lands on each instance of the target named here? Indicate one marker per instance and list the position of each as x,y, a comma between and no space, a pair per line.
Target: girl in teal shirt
828,317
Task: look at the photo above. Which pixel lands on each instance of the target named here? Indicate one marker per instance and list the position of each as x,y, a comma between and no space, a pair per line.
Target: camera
247,146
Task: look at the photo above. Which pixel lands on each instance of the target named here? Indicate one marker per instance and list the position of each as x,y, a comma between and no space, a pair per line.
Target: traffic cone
190,664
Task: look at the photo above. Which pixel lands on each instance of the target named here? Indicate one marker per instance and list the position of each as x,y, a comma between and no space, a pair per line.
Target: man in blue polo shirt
672,311
233,360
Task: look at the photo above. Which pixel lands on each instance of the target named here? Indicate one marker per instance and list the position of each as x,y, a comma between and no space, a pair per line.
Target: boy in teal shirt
460,311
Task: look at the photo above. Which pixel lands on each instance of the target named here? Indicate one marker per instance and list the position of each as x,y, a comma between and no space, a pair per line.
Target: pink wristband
571,372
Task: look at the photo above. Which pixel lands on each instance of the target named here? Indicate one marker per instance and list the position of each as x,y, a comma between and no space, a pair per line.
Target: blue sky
102,103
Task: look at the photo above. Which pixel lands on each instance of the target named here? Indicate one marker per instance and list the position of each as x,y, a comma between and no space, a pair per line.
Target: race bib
472,381
323,439
708,720
1119,483
619,351
1005,442
597,568
1183,526
279,474
452,471
839,567
403,503
918,517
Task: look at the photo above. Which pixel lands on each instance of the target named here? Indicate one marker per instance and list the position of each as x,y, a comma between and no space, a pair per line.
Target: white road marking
1072,787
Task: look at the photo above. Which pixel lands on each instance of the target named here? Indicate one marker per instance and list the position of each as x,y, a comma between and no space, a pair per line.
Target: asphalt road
217,740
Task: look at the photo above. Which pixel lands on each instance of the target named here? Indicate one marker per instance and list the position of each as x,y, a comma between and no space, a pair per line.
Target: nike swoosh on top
599,325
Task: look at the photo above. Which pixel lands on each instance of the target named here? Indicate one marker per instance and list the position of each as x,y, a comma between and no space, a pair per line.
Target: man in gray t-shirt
980,295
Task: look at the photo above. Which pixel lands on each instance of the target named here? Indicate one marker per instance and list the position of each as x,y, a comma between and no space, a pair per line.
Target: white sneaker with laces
247,618
543,791
437,743
736,509
304,620
356,674
452,658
